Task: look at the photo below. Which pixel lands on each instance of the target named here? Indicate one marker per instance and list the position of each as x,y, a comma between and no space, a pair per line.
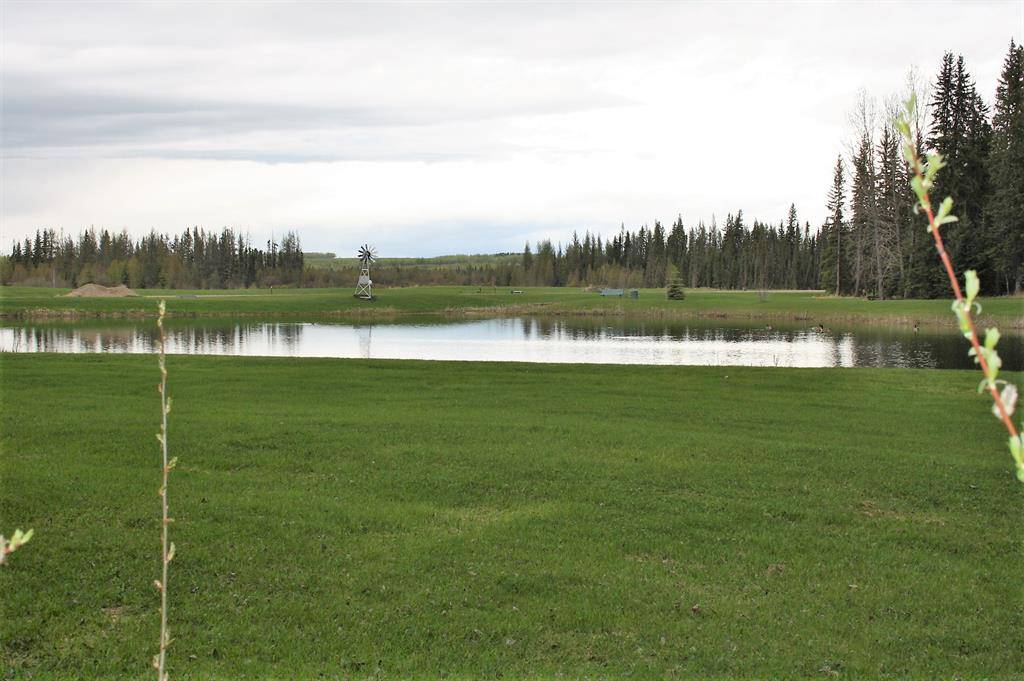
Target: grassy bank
804,306
412,519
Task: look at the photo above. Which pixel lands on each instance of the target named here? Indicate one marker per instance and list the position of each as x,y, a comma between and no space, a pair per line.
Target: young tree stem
1004,415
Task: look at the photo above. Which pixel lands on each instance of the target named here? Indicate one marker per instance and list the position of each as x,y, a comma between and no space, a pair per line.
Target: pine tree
677,245
527,261
656,258
864,208
832,234
1004,210
675,290
791,264
961,133
887,247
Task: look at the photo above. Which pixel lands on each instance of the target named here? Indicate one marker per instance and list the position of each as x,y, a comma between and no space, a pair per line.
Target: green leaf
1017,449
972,284
1008,396
908,153
993,362
916,184
944,208
943,216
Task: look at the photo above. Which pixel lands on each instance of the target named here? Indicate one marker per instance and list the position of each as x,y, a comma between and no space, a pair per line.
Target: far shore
473,302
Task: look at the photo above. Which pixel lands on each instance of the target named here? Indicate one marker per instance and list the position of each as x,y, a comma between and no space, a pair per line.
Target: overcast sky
448,127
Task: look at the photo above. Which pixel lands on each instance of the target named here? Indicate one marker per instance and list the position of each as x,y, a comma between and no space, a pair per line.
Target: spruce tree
1004,210
863,221
675,290
889,198
961,133
832,234
791,264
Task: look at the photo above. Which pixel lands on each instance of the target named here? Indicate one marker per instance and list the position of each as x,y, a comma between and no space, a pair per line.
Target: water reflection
528,339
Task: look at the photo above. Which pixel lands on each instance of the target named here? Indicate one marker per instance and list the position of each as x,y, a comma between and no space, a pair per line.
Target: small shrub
675,290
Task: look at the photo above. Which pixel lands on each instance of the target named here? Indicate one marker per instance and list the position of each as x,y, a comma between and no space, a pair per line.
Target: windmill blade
367,254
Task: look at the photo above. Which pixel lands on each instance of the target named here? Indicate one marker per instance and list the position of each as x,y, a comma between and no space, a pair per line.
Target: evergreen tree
1004,210
675,290
791,263
527,258
890,194
960,131
832,234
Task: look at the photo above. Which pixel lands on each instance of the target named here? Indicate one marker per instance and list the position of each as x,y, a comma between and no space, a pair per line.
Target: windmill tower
364,287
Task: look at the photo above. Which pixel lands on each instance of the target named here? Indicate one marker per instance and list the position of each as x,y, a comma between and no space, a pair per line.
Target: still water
527,339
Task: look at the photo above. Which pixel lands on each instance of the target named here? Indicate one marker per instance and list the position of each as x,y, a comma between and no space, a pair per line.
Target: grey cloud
115,112
215,80
39,123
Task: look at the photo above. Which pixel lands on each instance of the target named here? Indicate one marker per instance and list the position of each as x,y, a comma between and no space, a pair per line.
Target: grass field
419,520
471,300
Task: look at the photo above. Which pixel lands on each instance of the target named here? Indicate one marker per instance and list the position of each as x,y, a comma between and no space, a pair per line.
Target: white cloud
447,127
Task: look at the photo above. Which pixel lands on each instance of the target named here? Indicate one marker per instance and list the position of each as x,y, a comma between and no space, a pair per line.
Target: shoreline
1014,324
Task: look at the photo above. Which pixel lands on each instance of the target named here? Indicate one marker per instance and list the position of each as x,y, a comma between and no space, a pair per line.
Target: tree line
195,259
871,243
735,256
762,256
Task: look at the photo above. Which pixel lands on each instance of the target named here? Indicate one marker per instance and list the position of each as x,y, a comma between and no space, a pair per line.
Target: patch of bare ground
100,291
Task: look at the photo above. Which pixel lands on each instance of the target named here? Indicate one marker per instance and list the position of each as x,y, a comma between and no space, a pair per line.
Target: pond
526,339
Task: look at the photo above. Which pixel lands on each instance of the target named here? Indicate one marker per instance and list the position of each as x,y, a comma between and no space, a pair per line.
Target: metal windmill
364,288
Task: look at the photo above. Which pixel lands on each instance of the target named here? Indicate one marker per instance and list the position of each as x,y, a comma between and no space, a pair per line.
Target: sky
438,128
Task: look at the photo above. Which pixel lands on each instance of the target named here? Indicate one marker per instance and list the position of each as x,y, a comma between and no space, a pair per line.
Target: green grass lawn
18,301
428,519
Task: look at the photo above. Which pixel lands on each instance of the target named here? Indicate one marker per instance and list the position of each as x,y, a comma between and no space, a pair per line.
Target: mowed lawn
348,519
20,301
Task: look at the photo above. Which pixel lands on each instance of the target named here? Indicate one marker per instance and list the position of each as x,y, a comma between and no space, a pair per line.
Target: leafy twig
166,549
1004,395
13,544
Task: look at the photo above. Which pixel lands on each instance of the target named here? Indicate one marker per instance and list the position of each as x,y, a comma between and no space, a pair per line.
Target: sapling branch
924,173
8,546
166,547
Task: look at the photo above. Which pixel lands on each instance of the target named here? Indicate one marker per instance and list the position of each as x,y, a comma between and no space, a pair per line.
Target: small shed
613,292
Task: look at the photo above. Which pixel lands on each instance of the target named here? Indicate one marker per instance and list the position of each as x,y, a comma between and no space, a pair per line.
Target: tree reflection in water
529,339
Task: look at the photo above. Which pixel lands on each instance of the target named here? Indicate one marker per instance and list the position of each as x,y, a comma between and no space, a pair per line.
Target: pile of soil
99,291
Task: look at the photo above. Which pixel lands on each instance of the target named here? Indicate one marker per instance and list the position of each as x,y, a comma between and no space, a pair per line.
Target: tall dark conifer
832,234
1004,210
960,131
888,260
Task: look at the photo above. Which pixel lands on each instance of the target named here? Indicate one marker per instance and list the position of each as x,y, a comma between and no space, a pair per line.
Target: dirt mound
99,291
